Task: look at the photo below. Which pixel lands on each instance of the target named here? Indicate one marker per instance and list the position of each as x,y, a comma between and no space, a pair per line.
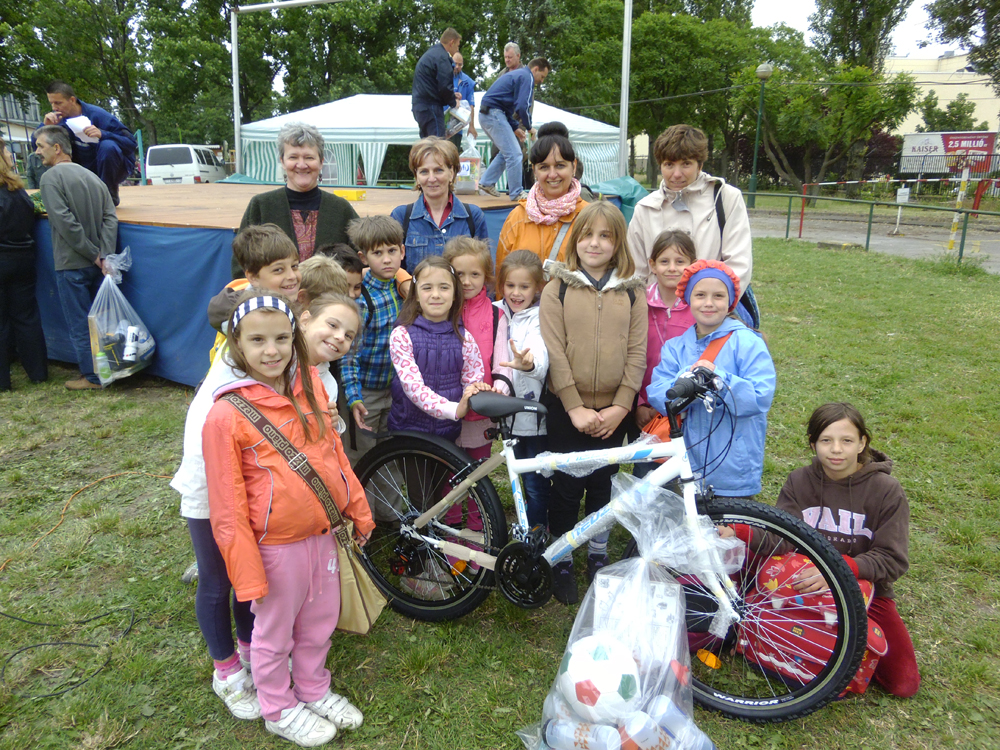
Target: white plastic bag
460,117
120,343
624,680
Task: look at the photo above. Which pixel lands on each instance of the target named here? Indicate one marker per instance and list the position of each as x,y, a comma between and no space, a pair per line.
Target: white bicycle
441,544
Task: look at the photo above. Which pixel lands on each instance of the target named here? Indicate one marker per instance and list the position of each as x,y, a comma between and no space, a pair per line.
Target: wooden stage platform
221,205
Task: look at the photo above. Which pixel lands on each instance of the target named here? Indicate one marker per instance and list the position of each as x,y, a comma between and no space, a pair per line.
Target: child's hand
360,412
611,417
810,581
644,415
470,390
708,365
726,532
361,539
585,420
523,360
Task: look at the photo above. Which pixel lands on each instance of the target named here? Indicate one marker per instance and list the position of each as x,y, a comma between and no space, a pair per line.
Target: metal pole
871,214
623,112
958,205
802,214
788,222
965,228
752,198
142,157
238,160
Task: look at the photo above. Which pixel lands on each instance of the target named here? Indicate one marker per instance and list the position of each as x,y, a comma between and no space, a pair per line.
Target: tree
975,26
856,32
957,116
826,120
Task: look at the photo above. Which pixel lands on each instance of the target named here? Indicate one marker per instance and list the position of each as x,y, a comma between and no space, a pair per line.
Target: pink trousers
296,618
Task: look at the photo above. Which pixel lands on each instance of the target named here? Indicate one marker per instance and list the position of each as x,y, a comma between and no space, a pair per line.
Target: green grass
908,342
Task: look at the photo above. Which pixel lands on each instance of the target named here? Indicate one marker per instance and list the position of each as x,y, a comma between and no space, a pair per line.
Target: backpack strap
406,220
369,304
496,327
471,223
713,349
720,212
557,243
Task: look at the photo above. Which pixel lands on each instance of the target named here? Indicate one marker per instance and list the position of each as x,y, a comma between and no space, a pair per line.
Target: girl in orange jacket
272,530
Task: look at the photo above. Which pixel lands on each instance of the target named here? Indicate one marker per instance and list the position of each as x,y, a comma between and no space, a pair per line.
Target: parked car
180,163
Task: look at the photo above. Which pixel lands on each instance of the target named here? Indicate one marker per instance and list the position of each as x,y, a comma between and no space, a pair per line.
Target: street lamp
764,71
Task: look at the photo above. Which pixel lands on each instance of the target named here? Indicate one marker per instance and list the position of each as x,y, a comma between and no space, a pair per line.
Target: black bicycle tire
852,621
452,460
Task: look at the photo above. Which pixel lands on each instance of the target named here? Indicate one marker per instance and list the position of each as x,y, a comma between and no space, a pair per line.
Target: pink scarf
541,210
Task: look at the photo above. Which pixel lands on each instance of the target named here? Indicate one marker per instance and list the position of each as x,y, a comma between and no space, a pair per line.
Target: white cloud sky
906,37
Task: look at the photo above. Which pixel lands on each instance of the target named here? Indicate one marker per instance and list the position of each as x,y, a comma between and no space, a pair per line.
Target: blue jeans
77,288
211,603
536,486
498,129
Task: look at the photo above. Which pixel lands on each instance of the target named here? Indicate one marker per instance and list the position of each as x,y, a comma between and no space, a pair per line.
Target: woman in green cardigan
309,216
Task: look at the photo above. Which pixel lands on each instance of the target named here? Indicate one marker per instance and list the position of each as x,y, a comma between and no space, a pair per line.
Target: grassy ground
906,341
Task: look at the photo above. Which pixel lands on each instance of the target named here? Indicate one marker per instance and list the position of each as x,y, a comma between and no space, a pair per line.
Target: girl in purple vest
438,364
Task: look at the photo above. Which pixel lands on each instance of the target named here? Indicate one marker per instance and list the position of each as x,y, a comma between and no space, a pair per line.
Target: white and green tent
365,124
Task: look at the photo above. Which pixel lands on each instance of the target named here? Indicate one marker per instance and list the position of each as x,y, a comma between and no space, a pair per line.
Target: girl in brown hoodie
594,324
848,495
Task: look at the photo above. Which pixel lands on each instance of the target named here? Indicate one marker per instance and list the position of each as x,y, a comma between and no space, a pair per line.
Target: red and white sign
937,152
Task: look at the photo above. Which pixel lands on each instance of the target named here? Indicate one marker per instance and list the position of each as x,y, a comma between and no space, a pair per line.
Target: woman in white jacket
523,358
695,202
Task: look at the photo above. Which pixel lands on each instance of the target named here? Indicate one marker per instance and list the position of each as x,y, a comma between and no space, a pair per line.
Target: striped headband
256,303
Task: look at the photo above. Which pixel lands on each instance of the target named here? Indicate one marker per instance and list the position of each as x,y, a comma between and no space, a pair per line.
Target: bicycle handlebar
688,387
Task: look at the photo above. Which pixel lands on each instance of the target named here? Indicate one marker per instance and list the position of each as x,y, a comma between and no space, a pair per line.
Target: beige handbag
361,601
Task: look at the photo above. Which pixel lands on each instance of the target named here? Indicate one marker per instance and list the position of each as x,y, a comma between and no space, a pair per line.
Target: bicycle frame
677,465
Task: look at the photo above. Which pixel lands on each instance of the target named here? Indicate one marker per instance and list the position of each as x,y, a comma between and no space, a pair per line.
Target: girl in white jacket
519,346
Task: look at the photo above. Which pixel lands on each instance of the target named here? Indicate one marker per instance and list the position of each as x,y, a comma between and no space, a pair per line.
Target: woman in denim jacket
438,215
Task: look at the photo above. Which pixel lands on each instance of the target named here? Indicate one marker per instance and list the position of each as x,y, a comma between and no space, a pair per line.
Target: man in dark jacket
433,84
106,147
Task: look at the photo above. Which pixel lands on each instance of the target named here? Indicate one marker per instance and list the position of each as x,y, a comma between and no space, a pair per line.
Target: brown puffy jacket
596,339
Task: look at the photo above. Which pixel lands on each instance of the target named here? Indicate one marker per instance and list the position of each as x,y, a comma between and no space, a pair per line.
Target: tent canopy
366,124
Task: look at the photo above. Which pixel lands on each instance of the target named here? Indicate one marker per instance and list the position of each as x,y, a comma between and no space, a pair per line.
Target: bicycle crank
523,576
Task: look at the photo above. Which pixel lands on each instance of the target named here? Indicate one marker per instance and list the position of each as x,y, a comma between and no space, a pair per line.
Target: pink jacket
664,323
477,318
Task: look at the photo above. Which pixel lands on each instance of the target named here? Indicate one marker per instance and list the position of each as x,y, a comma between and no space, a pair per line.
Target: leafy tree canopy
957,116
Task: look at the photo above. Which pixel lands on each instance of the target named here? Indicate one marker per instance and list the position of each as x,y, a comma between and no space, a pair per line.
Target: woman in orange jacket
272,530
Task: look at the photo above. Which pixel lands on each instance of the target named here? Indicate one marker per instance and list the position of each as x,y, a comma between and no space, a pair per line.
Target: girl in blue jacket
712,290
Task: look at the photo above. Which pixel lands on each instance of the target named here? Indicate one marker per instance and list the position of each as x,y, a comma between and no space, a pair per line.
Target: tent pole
623,114
238,159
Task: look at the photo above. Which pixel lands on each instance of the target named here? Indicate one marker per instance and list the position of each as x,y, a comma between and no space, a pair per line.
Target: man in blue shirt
465,86
433,85
112,157
505,115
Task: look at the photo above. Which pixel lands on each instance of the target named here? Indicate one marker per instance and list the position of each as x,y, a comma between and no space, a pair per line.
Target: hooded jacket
865,516
524,329
596,340
664,323
656,213
254,496
745,366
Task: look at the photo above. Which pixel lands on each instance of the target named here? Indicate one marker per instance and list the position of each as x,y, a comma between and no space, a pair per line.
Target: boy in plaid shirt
368,372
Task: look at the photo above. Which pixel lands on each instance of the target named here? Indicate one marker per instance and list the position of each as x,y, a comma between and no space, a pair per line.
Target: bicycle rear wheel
732,674
403,477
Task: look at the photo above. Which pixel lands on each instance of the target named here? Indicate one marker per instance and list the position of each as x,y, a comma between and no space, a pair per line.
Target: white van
180,163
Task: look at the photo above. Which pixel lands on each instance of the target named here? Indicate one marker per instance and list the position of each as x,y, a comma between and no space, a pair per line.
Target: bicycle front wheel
759,672
403,477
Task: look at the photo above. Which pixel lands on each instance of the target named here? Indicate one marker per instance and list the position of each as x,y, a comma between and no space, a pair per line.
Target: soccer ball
599,679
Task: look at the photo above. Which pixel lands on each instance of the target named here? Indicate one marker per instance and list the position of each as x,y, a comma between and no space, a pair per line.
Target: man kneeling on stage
112,156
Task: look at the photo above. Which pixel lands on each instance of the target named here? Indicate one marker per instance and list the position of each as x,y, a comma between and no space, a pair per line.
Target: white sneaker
434,584
302,726
337,709
238,693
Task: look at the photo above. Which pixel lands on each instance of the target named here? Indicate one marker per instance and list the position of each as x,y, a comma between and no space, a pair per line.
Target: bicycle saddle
496,405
